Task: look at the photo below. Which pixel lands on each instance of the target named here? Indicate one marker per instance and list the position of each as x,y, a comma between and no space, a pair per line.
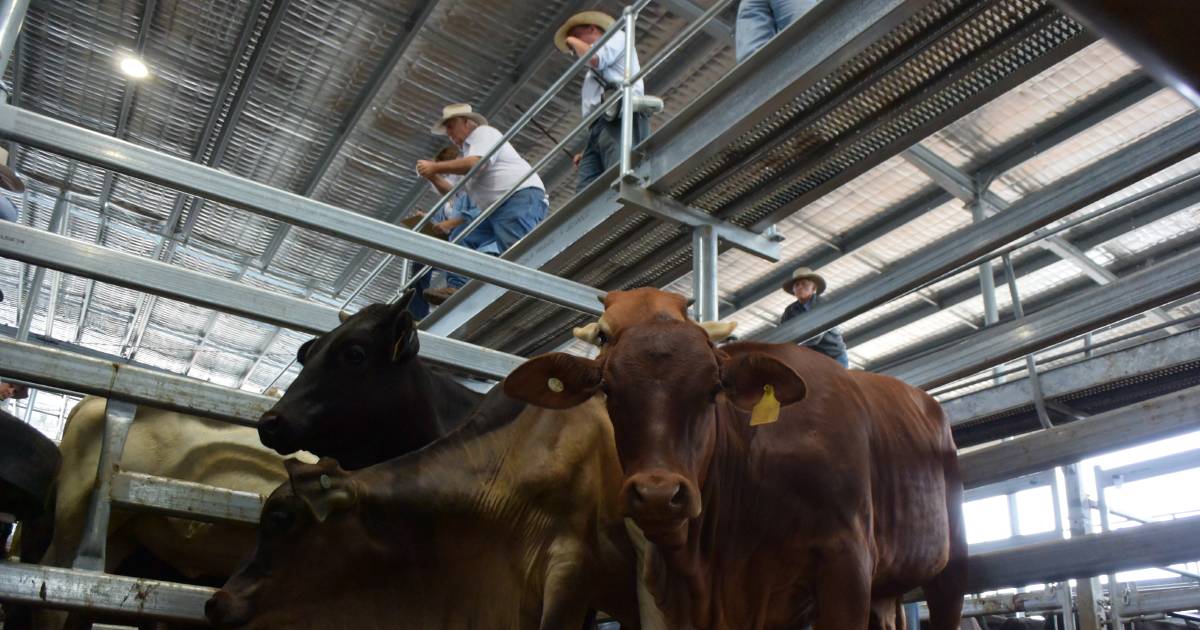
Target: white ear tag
555,385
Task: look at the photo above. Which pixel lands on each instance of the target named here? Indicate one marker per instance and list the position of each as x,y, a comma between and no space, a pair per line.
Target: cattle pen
1004,196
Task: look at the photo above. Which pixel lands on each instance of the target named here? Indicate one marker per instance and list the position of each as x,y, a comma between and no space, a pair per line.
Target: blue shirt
829,343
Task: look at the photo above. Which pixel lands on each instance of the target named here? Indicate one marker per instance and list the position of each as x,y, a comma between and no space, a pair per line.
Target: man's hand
445,227
575,160
427,168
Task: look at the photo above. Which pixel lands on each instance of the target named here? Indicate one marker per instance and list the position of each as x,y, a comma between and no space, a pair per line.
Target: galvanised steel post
627,105
704,272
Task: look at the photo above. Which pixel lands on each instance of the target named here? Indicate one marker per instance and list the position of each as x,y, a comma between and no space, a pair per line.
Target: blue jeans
760,20
518,215
603,148
418,307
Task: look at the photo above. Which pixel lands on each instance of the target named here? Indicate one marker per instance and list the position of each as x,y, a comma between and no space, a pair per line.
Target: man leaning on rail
806,286
605,74
470,131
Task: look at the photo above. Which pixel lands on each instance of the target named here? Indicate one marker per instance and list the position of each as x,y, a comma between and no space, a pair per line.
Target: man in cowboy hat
806,286
605,73
523,210
8,181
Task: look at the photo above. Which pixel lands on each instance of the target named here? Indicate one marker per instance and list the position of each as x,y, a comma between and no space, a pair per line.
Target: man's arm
459,166
439,183
581,47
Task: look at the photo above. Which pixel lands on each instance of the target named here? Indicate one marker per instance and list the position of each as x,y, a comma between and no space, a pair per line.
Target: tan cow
165,444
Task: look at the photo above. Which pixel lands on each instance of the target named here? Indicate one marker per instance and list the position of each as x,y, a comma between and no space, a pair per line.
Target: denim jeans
603,148
518,215
418,307
760,20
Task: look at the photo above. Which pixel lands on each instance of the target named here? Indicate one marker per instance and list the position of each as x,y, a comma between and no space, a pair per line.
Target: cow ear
555,381
302,351
406,298
744,377
405,342
324,487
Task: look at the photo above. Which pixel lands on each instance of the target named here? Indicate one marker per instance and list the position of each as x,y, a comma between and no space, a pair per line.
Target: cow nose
659,496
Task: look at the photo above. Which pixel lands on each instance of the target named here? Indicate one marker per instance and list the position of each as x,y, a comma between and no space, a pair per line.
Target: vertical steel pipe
630,18
704,272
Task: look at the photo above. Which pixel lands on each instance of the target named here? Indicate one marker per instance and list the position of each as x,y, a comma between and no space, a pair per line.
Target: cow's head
665,381
352,377
312,521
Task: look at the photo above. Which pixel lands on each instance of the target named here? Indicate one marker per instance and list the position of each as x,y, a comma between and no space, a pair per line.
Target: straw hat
595,18
454,111
8,178
804,273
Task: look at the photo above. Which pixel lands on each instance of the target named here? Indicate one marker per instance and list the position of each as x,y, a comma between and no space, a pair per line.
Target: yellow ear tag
555,385
766,410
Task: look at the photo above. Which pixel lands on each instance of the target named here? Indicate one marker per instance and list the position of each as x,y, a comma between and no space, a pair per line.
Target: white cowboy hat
596,18
804,273
454,111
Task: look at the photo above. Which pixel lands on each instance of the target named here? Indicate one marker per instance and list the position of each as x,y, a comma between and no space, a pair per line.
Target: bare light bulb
134,68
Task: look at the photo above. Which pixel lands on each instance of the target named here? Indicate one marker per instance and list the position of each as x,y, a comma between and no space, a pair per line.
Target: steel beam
1151,287
669,209
87,375
1153,356
12,18
704,272
964,187
1094,110
1153,545
104,151
127,270
1155,152
1149,420
806,52
1155,204
93,592
185,499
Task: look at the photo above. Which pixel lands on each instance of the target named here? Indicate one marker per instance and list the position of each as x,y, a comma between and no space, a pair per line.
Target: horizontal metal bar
1149,420
88,375
1136,293
670,209
1123,364
185,499
1150,155
1013,542
92,261
74,589
1153,545
1129,473
1148,602
128,158
1010,486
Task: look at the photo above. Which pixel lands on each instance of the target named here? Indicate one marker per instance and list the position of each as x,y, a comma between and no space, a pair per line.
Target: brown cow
510,522
851,498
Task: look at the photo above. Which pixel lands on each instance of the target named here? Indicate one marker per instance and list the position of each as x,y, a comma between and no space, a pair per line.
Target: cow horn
718,331
589,333
343,316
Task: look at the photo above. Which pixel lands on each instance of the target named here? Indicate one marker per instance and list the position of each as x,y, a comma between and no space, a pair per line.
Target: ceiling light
134,68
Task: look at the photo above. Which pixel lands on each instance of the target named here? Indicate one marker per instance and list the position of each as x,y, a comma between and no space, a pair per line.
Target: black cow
363,395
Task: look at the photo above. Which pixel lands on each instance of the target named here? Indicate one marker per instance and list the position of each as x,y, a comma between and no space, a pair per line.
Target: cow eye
601,338
354,355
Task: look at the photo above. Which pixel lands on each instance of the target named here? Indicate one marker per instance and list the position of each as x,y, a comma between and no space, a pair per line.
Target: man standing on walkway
524,209
604,75
807,286
760,20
